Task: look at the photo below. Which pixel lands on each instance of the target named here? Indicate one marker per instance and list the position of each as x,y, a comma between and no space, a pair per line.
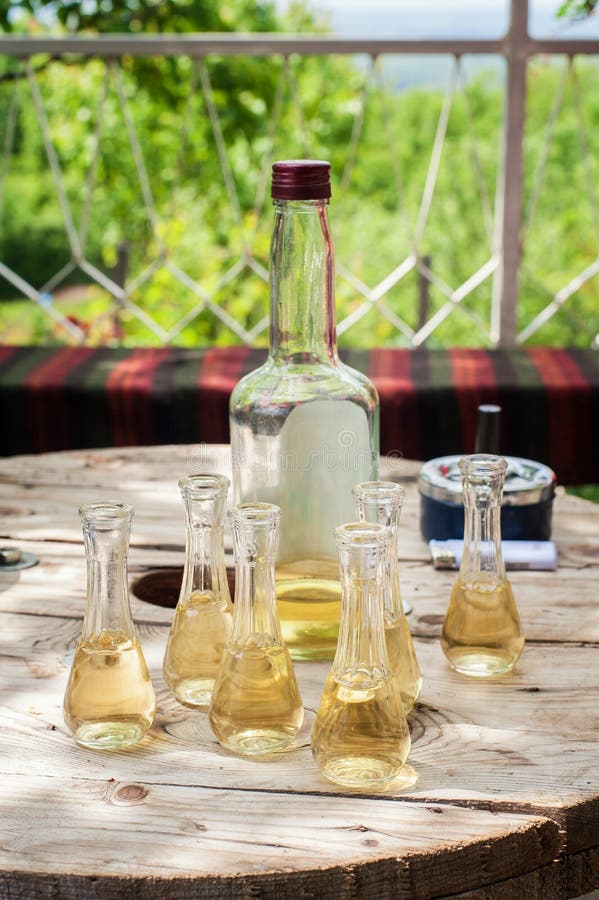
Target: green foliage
198,230
586,491
143,16
577,9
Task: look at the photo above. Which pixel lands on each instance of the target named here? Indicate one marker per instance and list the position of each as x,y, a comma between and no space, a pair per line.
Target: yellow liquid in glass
256,706
109,701
309,603
481,635
360,736
195,647
402,658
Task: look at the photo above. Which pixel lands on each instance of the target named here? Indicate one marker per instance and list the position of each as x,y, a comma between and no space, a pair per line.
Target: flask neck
106,542
302,321
482,559
392,602
205,568
363,567
255,617
381,502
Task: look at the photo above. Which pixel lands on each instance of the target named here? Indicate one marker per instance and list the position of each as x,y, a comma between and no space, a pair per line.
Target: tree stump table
503,796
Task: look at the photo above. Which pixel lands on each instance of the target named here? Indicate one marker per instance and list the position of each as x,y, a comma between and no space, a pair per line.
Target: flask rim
255,513
482,465
106,512
362,534
380,492
203,486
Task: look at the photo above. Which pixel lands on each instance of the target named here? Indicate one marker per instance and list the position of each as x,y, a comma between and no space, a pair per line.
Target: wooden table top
504,799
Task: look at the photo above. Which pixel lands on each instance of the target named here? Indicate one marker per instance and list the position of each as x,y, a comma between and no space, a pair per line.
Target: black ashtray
526,504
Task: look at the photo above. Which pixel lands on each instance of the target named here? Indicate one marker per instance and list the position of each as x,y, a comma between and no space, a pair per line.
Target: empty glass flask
109,701
380,501
202,620
360,736
481,633
256,706
304,426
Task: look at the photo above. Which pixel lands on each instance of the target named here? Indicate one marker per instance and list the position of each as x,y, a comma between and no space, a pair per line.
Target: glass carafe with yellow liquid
256,706
380,501
109,701
304,426
360,736
481,633
202,620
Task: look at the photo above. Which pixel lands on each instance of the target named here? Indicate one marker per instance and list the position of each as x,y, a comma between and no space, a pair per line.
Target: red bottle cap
301,179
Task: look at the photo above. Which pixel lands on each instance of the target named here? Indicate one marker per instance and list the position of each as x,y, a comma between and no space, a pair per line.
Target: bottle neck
361,648
302,320
255,616
482,559
107,592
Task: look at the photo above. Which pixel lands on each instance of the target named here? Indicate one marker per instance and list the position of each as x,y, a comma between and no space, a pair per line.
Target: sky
444,18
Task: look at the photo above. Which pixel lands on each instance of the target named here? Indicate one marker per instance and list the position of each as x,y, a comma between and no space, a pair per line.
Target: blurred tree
577,9
207,233
172,103
148,16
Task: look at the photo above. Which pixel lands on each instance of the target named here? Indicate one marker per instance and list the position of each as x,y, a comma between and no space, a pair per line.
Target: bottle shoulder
250,381
363,380
300,382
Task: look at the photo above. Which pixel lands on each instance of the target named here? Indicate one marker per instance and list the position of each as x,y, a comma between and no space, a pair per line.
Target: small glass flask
109,701
380,501
202,621
256,706
481,634
361,737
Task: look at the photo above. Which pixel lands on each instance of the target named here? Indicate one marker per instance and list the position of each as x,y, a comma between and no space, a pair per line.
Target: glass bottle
256,706
380,501
304,426
361,737
481,634
203,616
109,701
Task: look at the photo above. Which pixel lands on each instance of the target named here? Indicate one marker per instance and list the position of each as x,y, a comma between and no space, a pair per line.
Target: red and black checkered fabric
56,398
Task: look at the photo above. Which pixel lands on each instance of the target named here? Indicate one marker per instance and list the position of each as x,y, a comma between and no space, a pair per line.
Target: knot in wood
131,793
431,619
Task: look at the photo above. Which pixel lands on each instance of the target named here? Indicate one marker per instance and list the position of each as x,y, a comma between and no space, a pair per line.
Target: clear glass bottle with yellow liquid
256,708
109,702
360,736
202,620
304,426
380,501
481,634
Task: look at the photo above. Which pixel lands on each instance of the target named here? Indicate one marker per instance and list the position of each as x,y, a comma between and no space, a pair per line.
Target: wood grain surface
500,799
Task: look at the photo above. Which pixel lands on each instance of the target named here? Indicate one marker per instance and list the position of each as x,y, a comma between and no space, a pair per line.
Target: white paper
539,555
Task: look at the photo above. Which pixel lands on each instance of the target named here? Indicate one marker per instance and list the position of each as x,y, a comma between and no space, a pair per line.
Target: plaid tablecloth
56,398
